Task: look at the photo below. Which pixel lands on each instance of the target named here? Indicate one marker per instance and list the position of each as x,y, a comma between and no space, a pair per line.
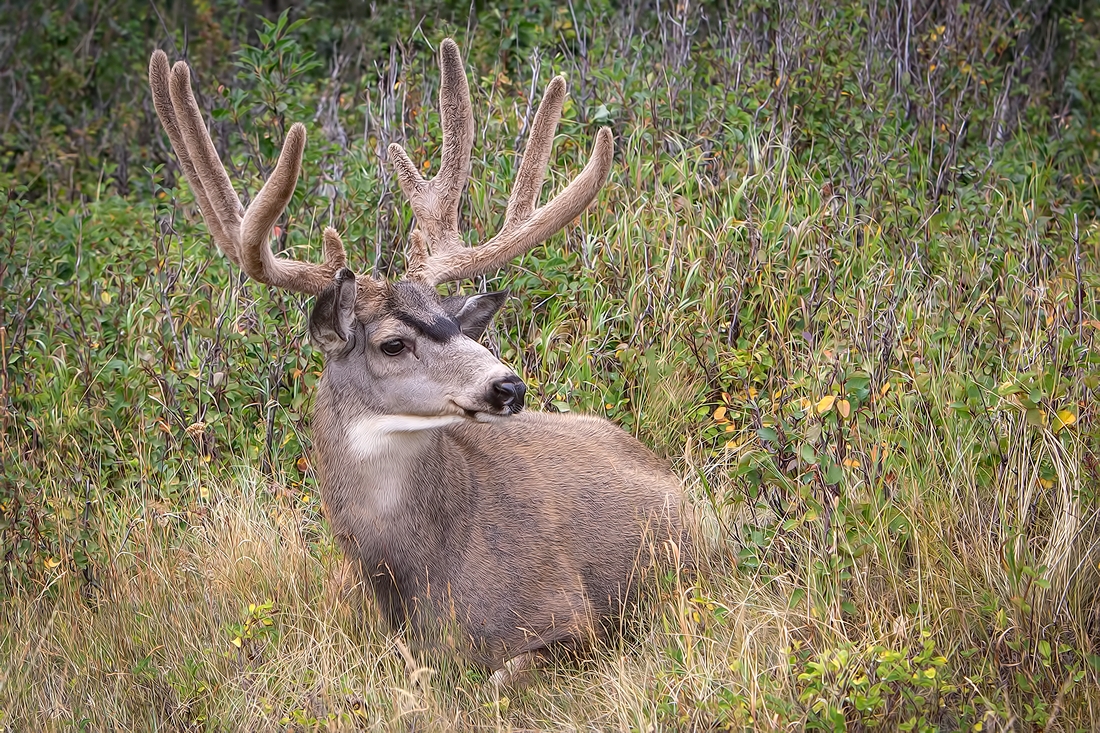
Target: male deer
513,531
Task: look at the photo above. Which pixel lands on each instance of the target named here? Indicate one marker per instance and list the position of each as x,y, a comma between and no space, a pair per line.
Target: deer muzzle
507,394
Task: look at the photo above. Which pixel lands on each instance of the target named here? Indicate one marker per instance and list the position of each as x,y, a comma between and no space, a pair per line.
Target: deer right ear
473,312
333,315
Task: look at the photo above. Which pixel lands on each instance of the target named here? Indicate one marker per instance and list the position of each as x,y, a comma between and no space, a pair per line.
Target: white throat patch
391,446
383,436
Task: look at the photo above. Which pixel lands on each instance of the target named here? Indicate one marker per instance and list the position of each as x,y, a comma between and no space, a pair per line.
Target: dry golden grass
158,643
175,636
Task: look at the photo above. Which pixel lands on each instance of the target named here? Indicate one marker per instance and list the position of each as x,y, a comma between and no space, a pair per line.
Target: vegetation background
844,275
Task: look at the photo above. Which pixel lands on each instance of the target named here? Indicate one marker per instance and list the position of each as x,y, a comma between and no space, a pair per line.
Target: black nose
508,392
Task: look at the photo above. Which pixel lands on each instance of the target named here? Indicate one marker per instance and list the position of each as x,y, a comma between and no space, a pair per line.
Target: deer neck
373,463
391,448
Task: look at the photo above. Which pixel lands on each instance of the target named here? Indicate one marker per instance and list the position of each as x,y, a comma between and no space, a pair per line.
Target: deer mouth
503,398
487,415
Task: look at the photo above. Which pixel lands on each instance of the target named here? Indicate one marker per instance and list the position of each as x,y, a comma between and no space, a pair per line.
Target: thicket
844,275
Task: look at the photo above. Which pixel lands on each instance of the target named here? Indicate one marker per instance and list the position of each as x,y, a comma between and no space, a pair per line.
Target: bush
844,275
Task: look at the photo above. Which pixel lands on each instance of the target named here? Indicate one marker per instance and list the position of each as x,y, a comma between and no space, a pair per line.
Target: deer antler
242,234
437,254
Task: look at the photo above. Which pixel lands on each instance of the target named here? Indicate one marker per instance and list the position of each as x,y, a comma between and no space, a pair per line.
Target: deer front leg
514,670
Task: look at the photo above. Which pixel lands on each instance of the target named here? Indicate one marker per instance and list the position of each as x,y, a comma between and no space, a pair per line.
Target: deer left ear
474,312
332,318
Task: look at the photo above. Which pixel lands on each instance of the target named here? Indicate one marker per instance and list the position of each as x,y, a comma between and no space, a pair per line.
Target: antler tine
524,225
435,202
242,234
159,73
536,156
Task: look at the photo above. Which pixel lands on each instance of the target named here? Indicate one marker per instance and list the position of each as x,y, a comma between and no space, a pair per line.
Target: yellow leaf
720,414
844,408
237,642
51,563
730,428
1046,483
825,404
105,297
1063,419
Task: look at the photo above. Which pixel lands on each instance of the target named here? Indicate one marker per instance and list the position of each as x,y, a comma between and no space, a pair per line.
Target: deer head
420,350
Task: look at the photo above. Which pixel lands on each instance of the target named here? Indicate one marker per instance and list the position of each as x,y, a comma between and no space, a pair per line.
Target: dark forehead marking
420,310
436,327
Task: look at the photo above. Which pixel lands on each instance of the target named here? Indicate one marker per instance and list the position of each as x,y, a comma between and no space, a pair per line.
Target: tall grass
844,276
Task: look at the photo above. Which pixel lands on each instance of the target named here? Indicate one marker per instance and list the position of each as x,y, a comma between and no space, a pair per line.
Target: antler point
296,136
159,71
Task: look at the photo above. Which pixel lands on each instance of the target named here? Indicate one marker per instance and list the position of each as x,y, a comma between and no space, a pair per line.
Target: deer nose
508,392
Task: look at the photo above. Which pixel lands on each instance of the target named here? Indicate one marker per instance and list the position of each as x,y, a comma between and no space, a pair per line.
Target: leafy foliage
844,275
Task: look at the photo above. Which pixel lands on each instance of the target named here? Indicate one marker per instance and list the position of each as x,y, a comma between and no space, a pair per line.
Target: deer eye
393,347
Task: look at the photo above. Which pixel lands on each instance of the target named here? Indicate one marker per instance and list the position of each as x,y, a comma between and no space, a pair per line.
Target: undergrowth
844,276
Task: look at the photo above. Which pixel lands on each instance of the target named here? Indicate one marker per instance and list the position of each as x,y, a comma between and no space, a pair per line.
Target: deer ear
333,315
474,312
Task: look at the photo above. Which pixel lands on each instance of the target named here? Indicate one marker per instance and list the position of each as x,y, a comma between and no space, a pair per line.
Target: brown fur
502,534
510,535
523,533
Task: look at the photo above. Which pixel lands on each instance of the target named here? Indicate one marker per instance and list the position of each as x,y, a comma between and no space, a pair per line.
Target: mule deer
520,531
